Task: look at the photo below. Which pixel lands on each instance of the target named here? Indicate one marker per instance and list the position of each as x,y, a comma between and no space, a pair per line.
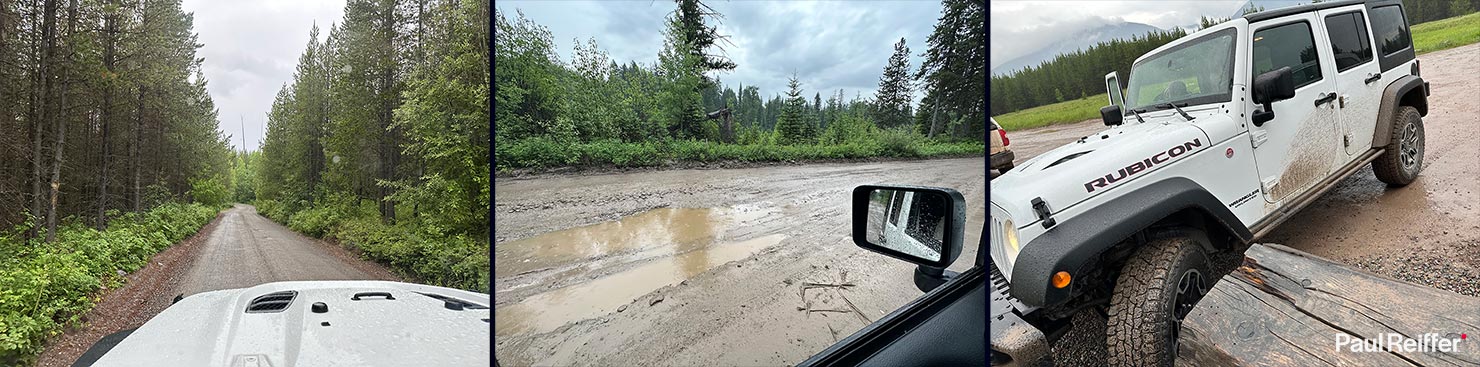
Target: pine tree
792,126
892,100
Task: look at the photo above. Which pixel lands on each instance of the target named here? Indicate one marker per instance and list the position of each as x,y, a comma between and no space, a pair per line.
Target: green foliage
1070,111
49,286
1073,74
1447,33
209,191
897,143
793,127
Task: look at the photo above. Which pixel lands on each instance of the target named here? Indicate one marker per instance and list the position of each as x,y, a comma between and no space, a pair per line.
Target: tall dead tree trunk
61,127
133,149
109,59
48,54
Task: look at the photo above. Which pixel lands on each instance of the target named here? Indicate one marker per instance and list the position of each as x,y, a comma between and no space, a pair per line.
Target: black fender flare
1408,90
1078,241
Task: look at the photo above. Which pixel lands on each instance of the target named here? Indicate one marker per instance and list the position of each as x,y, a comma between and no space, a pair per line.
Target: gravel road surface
699,266
1426,233
238,249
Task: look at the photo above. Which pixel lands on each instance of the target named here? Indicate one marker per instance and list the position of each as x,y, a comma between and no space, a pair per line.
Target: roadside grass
1446,33
1058,113
543,153
46,286
1427,37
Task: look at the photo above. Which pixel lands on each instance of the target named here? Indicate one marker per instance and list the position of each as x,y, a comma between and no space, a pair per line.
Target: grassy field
1427,37
1058,113
1446,33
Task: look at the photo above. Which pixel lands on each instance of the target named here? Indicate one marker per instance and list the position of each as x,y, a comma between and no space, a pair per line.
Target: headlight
1010,238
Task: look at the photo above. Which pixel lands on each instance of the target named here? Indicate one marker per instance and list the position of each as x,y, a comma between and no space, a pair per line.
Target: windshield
1197,72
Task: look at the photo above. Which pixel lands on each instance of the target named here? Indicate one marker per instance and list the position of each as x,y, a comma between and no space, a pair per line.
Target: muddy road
238,249
699,267
1427,233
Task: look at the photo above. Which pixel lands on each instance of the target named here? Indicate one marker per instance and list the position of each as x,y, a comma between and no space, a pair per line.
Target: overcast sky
1020,27
830,45
251,49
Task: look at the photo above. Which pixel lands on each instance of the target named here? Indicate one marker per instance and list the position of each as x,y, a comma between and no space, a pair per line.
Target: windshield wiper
1179,110
1138,115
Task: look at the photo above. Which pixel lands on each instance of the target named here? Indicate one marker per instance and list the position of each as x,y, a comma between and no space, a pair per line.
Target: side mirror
1111,115
1272,86
921,225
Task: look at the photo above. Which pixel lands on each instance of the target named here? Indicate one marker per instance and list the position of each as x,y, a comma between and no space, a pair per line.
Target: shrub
54,284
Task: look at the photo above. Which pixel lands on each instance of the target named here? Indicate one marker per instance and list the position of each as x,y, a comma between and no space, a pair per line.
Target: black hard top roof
1276,13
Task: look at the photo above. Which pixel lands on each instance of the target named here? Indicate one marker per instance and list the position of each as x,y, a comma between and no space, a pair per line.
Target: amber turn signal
1061,279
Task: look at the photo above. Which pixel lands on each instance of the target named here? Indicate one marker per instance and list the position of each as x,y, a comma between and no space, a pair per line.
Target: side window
1349,42
1389,28
1288,45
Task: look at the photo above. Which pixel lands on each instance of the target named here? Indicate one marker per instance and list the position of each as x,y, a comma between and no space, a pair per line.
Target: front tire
1402,158
1157,288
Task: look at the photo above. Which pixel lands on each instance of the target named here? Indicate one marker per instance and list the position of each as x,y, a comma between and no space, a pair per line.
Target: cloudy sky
830,45
251,49
1020,27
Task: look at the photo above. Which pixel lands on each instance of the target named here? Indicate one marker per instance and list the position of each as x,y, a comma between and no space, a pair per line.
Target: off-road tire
1402,158
1005,168
1143,323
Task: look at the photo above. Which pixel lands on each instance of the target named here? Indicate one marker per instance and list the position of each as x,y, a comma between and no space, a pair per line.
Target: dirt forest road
1426,233
704,267
238,249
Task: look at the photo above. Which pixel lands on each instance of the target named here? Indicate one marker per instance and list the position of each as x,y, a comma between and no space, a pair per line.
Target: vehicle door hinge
1044,213
1269,182
1258,137
1346,140
1341,102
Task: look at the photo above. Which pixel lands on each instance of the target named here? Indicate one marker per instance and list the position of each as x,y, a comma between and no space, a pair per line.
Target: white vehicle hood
413,329
1060,176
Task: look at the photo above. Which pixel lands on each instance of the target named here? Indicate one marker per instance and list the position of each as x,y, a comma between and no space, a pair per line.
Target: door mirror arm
927,277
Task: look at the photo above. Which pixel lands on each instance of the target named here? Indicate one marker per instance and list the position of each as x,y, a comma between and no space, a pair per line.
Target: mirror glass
912,223
1112,86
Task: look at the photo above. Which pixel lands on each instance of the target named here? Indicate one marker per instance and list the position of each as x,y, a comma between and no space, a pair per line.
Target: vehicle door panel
1300,146
1358,76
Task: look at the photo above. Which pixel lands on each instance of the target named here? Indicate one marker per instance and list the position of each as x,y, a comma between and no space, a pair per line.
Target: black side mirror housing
918,224
1112,115
1272,86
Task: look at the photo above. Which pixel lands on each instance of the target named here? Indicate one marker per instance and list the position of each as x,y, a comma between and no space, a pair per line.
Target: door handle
1325,97
1373,77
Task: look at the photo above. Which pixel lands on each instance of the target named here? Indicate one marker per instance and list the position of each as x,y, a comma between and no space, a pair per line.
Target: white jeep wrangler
1220,136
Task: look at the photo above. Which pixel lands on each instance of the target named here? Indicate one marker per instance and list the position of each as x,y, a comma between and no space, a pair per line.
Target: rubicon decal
1143,165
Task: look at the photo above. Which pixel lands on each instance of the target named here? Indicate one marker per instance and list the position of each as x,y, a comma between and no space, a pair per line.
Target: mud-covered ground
751,266
1426,233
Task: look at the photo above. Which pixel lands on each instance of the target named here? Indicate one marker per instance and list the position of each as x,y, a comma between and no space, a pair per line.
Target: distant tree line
1073,75
594,98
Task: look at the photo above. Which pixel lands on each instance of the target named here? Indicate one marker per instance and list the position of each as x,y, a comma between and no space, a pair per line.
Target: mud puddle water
668,246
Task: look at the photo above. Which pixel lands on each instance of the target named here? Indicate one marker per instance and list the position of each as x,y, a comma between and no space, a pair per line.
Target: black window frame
1310,29
1364,36
1388,61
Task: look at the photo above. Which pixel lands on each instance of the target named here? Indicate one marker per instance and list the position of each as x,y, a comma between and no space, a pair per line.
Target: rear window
1349,42
1390,30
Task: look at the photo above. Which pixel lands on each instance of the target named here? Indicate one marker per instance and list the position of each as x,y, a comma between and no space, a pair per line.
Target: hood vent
272,302
1066,158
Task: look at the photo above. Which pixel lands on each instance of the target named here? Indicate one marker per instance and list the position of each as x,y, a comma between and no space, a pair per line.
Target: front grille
999,283
272,302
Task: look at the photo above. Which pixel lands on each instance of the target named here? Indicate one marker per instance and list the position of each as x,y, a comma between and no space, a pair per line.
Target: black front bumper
1002,159
1021,342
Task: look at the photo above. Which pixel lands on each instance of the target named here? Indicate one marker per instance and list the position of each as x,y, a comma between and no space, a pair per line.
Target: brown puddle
657,232
550,310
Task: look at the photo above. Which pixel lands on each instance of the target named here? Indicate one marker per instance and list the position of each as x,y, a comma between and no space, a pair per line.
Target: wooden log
1285,307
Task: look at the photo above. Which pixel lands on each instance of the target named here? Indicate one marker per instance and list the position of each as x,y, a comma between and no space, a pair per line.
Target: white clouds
1019,27
831,45
251,48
